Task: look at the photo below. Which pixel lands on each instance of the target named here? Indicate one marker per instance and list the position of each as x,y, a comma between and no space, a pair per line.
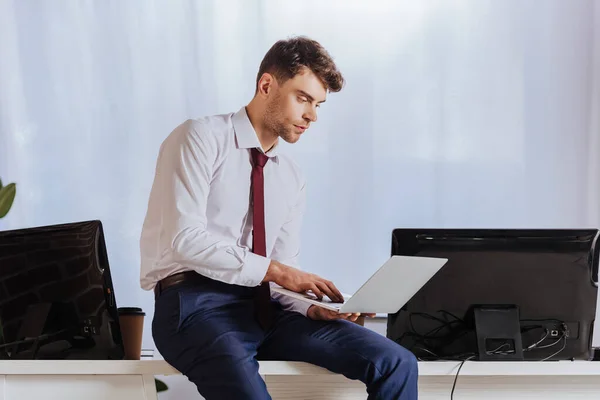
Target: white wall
456,114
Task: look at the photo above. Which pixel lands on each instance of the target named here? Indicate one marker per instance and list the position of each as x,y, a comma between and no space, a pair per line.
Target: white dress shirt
199,215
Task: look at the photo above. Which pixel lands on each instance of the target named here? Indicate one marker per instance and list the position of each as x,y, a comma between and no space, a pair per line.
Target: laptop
385,292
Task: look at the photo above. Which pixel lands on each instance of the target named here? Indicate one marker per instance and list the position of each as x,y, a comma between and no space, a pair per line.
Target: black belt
175,279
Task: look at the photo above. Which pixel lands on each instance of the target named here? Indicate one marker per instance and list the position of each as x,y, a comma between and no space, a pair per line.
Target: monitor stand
498,332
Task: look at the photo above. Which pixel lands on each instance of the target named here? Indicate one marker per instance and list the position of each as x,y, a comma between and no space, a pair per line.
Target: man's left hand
322,314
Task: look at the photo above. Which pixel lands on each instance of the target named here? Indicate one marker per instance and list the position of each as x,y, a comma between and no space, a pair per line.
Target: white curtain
593,153
455,114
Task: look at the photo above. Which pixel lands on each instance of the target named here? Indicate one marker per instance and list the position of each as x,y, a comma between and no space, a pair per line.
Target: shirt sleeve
184,171
287,250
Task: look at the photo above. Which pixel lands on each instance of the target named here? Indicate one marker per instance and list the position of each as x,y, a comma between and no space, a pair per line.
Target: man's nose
311,116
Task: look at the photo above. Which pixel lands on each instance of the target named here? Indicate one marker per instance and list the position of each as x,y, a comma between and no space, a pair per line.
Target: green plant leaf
160,386
0,183
7,196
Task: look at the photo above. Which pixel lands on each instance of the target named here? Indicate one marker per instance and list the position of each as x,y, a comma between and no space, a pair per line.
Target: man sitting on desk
223,221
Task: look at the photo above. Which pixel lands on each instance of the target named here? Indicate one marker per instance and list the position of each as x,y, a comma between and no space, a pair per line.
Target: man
223,222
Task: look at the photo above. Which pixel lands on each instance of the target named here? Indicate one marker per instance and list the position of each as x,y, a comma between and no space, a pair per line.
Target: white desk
134,380
477,380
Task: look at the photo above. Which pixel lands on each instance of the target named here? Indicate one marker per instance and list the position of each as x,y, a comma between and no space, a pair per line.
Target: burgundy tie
259,243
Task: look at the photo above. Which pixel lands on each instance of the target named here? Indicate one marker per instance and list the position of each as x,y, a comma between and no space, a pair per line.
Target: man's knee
407,360
398,360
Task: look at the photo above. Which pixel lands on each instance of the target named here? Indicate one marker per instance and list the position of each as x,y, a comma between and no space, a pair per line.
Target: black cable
551,344
497,350
561,349
456,376
433,341
429,351
444,323
535,345
452,315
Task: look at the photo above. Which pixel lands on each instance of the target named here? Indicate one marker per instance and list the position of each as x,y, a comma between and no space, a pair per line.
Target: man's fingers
316,291
336,295
339,294
325,289
336,292
354,317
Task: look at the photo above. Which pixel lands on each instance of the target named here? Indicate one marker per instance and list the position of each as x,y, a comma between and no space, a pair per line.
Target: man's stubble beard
275,121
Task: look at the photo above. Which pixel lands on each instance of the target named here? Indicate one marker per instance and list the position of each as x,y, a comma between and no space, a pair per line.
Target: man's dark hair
286,58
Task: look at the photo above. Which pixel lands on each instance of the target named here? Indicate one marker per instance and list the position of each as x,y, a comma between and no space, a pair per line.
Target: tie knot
259,158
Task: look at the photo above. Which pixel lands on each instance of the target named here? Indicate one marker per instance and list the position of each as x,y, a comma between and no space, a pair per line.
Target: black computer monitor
503,294
56,294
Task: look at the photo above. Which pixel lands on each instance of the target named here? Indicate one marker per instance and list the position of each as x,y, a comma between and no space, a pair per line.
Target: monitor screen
544,280
56,294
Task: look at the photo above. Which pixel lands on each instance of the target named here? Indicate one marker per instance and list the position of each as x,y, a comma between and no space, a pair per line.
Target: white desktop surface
134,380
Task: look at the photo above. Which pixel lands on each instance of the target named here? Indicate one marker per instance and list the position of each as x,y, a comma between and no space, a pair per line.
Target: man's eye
302,99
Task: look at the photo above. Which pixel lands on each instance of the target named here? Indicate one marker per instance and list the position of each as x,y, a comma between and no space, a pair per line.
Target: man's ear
266,84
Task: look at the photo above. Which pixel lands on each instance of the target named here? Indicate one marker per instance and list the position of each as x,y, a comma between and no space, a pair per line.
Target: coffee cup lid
130,311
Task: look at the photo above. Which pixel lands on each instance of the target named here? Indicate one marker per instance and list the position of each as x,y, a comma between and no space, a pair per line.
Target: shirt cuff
255,268
291,304
300,307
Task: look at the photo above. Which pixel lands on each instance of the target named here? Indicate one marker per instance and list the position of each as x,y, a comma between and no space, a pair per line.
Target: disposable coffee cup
131,320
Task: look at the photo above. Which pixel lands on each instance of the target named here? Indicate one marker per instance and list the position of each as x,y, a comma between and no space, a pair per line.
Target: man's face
291,107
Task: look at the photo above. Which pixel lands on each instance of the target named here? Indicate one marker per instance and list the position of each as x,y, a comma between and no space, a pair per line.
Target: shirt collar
246,135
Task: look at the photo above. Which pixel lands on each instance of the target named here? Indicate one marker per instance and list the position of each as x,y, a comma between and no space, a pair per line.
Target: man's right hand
299,281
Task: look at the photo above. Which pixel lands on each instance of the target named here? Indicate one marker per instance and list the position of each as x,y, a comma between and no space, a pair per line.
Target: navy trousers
208,332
